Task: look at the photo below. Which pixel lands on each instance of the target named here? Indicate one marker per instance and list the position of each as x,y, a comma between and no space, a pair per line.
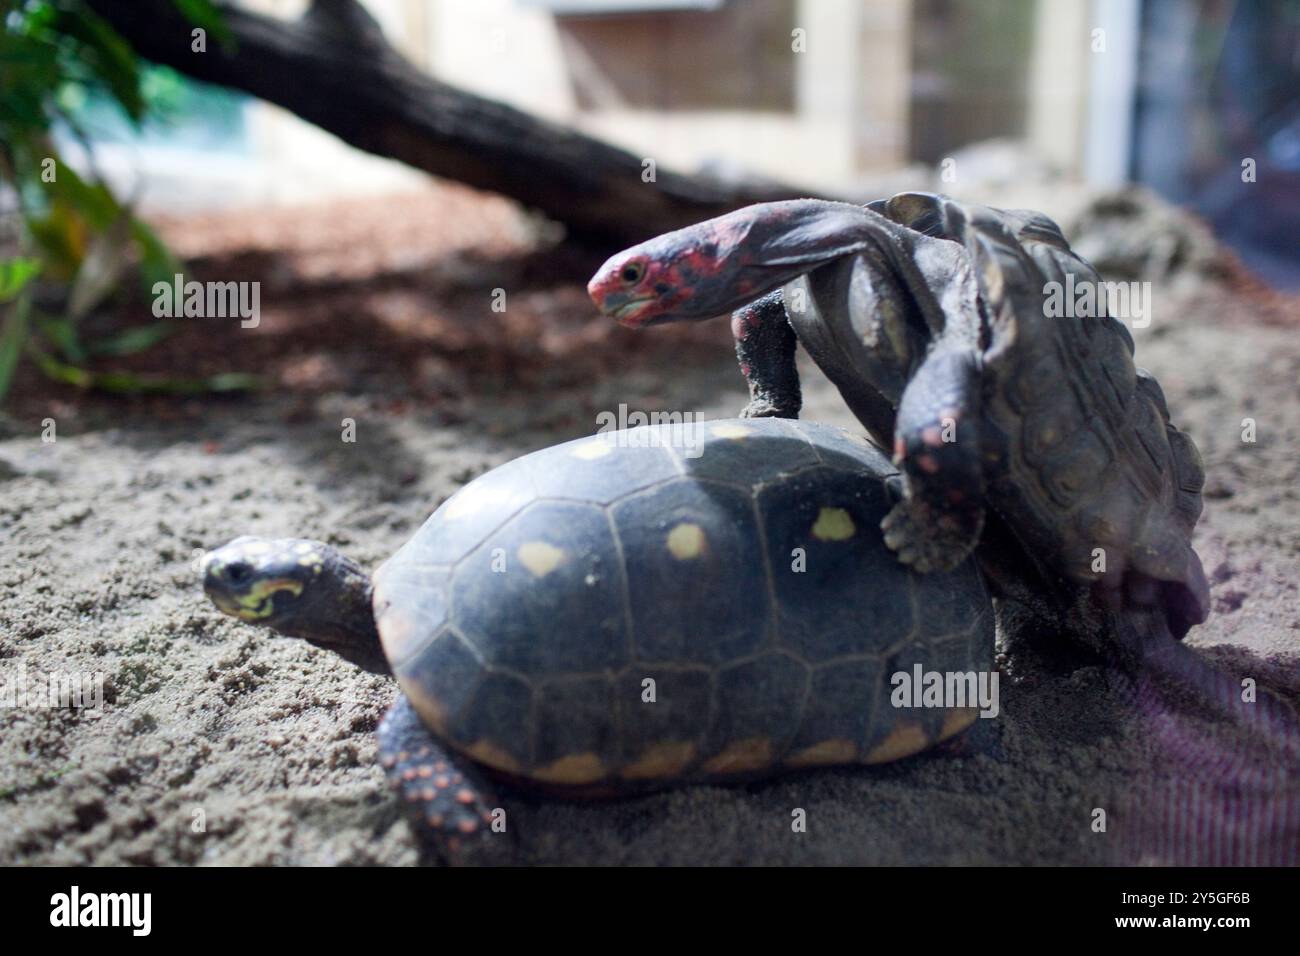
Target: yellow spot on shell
902,742
540,558
838,750
597,448
256,547
471,499
833,524
486,752
730,431
686,541
752,753
957,721
660,761
575,768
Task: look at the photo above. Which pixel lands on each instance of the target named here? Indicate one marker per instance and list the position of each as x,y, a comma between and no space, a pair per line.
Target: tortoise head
299,588
716,266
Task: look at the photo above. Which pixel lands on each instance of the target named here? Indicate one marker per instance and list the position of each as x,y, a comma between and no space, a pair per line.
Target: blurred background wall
839,95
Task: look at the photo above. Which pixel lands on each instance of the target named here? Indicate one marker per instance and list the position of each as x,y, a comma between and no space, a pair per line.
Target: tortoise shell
1083,453
636,608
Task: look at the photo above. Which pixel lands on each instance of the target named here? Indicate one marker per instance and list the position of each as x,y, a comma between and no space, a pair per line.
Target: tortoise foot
452,808
764,408
930,542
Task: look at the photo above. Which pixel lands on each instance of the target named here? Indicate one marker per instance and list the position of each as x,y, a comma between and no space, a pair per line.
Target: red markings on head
683,274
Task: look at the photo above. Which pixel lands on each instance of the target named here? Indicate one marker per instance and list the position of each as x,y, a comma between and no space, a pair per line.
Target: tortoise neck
342,619
794,238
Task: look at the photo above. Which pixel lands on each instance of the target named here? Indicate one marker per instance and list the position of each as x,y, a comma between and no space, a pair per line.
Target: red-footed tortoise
633,611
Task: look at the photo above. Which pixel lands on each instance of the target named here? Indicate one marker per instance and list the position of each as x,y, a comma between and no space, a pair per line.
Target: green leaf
63,334
16,273
61,237
60,371
92,200
132,383
11,342
202,13
132,340
233,382
109,57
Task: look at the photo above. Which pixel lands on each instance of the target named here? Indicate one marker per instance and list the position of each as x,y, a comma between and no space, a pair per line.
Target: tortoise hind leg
936,443
446,794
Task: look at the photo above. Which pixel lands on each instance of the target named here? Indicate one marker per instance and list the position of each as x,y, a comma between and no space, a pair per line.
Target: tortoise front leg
936,444
765,346
445,792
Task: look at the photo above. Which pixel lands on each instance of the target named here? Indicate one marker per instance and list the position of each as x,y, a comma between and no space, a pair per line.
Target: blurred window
1218,96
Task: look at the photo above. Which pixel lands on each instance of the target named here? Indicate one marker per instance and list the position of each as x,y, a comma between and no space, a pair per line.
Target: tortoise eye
632,273
239,572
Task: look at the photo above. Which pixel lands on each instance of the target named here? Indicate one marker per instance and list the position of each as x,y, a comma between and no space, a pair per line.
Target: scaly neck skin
791,239
786,240
340,618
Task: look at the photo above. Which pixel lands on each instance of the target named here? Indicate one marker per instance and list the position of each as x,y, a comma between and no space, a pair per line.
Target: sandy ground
271,743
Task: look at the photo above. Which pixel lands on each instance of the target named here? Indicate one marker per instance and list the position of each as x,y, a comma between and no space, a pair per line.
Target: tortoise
631,611
929,317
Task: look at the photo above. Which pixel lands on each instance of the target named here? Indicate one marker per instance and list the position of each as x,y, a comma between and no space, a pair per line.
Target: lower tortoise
630,611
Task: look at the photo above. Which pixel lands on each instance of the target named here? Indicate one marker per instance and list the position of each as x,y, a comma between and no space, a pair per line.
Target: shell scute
822,531
696,572
576,716
664,713
521,583
841,703
760,705
605,466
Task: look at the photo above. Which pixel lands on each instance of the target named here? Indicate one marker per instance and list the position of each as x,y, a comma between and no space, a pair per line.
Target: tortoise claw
929,543
762,408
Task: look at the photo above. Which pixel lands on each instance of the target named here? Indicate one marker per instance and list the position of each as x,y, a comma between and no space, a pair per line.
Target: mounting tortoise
701,602
930,318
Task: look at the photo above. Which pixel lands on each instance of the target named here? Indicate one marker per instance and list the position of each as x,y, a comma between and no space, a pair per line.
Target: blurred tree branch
333,68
